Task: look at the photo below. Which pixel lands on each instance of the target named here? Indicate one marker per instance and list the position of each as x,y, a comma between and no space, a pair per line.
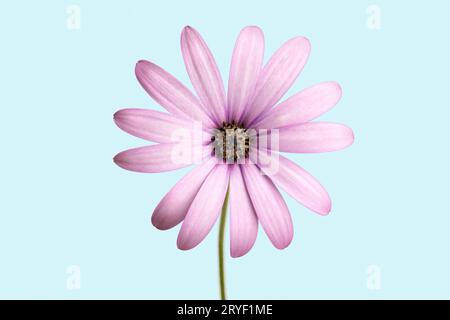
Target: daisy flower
235,138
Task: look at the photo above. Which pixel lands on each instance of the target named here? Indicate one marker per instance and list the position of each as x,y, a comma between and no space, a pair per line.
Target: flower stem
223,218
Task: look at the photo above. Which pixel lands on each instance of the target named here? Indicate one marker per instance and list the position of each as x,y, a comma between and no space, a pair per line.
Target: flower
249,106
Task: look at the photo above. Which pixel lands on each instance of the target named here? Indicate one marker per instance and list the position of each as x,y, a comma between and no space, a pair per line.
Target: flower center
231,142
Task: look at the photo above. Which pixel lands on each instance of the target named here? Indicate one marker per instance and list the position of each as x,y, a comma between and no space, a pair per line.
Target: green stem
223,219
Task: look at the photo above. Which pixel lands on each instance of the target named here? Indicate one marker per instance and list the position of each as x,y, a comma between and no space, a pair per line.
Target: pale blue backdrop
64,202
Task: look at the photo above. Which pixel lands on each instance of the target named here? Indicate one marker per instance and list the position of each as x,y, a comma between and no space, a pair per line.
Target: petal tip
253,28
117,160
352,136
336,86
118,116
188,30
155,221
236,254
140,64
239,252
281,245
184,245
159,224
302,41
283,241
325,205
141,68
120,160
325,211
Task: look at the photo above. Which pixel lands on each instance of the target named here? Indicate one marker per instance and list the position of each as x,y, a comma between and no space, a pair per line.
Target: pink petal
243,221
270,207
298,183
160,157
204,73
158,126
172,209
314,137
303,106
277,76
245,67
205,209
170,93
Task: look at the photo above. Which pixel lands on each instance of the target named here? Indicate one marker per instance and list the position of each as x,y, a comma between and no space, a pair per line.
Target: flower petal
204,73
303,106
205,209
298,183
243,220
159,126
277,76
315,137
161,157
245,67
170,93
272,211
172,209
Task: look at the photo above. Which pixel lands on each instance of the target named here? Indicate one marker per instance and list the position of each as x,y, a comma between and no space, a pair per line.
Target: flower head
234,139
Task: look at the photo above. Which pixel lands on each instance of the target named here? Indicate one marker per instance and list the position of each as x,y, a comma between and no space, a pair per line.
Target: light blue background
64,202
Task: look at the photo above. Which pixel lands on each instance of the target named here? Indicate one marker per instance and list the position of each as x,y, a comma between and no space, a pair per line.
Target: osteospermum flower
228,159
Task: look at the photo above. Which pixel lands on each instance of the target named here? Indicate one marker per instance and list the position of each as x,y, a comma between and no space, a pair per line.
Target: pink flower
251,103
